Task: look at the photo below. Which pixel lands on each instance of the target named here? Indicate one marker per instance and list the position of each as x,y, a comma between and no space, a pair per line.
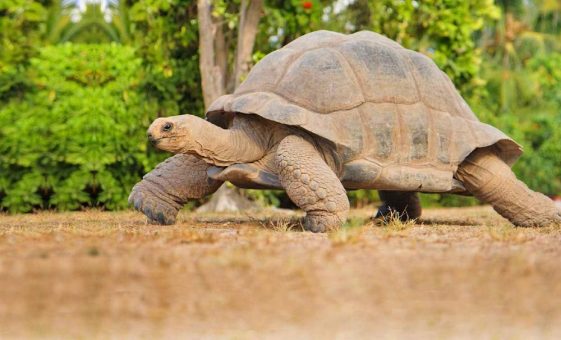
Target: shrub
78,137
533,119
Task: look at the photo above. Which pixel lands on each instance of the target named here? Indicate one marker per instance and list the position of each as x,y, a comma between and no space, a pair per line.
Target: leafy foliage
73,116
165,34
20,34
78,138
533,119
522,95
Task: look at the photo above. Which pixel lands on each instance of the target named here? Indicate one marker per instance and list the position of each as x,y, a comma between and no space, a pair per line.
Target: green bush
531,117
165,36
73,117
20,33
78,137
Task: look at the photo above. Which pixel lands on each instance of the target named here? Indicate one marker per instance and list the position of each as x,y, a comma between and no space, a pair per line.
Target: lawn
457,272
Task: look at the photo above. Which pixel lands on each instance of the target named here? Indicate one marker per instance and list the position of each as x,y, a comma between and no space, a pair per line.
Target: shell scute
380,124
266,74
434,90
319,81
444,135
415,130
381,71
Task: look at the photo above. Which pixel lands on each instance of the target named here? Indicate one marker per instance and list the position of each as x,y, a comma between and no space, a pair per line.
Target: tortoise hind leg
491,180
403,204
163,191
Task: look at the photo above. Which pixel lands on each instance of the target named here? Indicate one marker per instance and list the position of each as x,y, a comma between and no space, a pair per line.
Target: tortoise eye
167,127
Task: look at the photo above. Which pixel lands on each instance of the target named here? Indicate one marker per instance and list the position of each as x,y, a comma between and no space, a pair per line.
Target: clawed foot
549,215
157,210
321,222
554,217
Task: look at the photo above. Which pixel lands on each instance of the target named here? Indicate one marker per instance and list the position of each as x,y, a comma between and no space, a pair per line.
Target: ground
458,272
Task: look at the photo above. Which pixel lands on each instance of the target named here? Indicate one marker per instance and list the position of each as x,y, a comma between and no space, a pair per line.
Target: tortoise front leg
311,184
163,191
404,204
491,180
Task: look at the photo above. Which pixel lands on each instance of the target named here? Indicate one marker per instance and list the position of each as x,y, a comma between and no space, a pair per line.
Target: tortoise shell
388,109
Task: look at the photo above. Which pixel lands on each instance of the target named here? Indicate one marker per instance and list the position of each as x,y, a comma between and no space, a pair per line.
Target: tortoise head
173,133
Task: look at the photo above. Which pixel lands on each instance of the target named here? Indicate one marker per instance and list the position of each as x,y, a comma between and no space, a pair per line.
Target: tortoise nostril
150,137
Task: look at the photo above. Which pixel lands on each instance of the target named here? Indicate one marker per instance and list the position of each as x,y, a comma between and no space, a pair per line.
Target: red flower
307,4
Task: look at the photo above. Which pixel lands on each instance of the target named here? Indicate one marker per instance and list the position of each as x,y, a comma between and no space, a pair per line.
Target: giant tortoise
331,112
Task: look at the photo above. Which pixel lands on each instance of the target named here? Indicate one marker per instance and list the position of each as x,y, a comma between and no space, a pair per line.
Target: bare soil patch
457,273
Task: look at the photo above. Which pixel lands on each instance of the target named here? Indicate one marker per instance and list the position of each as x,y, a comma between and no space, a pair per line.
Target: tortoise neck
242,143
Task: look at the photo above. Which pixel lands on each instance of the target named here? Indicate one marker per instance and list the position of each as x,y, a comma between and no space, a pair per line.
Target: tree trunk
221,56
250,14
227,199
212,76
213,58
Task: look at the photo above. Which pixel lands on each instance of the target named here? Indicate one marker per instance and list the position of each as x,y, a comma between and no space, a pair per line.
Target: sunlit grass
87,270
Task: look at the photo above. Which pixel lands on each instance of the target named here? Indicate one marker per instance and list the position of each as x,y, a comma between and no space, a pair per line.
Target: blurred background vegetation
81,80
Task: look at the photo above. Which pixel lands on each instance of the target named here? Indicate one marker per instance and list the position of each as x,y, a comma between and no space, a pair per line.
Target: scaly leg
311,184
491,180
163,191
404,204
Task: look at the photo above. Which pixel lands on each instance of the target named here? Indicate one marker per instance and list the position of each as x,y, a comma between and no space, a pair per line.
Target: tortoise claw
138,204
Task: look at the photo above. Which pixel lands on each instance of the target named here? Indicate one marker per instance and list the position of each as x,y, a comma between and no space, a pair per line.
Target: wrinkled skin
490,180
308,171
311,184
163,191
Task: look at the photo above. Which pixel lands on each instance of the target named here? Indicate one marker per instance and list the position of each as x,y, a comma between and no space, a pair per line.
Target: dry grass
455,273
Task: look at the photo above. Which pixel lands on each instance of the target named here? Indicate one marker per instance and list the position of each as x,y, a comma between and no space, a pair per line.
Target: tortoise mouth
167,143
153,140
157,141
